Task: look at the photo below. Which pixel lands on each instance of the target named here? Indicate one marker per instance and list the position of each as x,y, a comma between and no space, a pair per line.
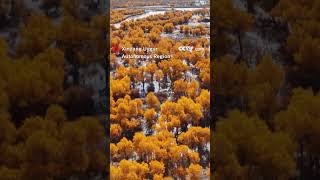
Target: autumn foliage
43,134
159,107
265,106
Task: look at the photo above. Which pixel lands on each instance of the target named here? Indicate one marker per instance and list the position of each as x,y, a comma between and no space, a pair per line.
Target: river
155,11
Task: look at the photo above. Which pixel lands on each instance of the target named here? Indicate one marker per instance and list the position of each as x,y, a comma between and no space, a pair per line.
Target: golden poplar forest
264,84
48,127
160,108
266,90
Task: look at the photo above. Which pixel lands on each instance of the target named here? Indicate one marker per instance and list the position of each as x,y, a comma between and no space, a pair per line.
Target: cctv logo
186,48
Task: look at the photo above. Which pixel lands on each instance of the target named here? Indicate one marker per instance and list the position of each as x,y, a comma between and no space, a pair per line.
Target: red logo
115,49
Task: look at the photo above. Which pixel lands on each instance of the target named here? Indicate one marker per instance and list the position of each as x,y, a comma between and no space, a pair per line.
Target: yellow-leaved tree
37,34
244,147
300,120
129,170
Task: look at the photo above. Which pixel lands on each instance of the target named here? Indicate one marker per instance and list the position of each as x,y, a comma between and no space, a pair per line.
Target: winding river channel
154,10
